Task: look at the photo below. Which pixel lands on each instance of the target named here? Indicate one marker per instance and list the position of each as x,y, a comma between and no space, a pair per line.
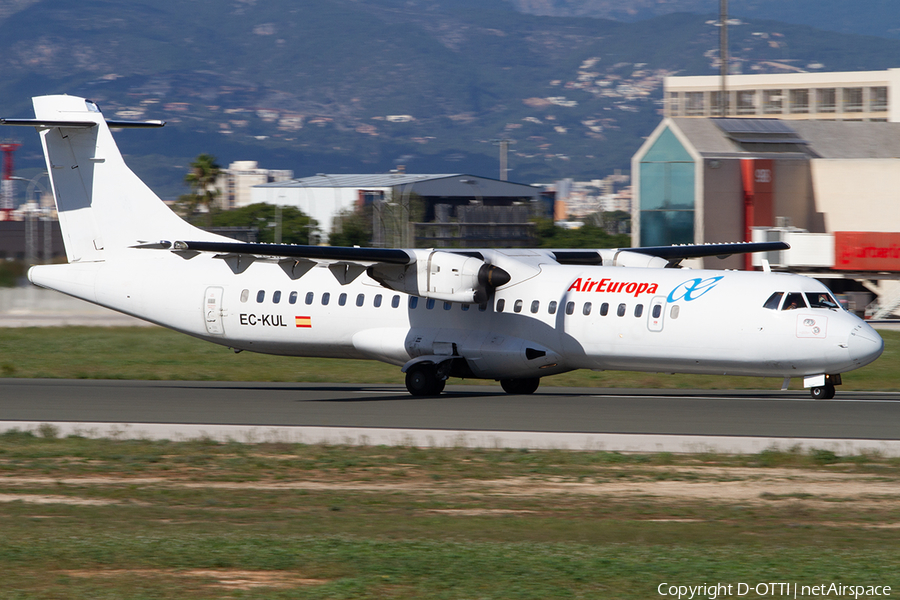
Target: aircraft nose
865,344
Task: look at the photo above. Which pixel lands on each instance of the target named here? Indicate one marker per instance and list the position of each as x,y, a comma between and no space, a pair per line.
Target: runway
613,419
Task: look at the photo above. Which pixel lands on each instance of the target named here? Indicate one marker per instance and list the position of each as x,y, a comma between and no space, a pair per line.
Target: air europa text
613,287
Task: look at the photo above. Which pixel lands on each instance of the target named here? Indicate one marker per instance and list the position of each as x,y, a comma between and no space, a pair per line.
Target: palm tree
202,178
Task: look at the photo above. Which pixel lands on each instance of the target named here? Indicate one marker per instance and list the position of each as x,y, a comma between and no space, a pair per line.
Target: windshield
821,300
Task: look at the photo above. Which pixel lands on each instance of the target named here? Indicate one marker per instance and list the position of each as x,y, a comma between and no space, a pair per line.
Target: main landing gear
520,386
424,380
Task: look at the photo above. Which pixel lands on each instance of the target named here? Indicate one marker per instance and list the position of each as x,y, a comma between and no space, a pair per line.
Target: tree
352,228
295,225
588,235
201,179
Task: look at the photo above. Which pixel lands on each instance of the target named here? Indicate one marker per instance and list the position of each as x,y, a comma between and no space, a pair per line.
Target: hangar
829,188
456,209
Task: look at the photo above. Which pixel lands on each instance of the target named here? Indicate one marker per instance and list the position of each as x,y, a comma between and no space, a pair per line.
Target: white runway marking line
449,438
784,399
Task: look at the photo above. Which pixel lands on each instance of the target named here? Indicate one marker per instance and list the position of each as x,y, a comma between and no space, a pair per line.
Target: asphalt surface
792,414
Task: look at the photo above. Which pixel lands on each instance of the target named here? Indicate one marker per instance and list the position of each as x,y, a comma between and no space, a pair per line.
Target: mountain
365,85
863,17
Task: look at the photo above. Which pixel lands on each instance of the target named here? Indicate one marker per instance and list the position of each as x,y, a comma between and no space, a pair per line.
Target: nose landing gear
821,387
822,392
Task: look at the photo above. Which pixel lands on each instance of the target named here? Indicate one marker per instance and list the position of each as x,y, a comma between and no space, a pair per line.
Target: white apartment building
835,96
235,183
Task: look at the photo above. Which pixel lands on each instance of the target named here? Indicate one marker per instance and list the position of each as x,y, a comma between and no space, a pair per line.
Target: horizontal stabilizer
45,124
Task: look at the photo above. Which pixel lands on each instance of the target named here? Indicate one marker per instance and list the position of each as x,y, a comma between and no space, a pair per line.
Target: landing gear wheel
824,392
520,386
422,380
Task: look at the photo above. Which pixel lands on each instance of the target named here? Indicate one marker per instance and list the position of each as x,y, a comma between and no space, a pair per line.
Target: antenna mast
723,57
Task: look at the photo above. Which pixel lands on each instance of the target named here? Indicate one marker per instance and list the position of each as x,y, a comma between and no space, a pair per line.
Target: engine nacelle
442,276
624,258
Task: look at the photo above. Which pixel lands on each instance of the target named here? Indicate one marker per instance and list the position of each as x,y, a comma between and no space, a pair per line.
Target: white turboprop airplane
514,315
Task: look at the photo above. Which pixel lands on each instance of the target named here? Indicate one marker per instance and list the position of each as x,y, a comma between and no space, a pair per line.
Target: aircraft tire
520,386
823,392
422,380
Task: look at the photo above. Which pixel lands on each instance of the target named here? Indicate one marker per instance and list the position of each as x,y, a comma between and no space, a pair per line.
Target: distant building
236,182
459,209
577,199
841,96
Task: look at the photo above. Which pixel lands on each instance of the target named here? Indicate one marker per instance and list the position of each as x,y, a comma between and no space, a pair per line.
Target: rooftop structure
842,96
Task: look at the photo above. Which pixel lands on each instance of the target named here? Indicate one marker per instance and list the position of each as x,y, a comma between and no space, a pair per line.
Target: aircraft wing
329,253
446,274
671,254
439,274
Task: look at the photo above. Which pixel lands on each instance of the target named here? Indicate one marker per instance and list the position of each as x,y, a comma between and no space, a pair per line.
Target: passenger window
604,309
429,304
773,301
794,300
657,310
535,306
276,297
674,311
360,299
517,307
821,300
309,297
551,308
293,298
587,308
570,308
464,307
482,307
638,310
413,302
326,298
245,295
377,301
500,304
342,299
395,302
447,306
621,310
260,296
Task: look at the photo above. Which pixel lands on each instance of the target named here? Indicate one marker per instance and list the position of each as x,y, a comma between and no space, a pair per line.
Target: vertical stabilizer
103,207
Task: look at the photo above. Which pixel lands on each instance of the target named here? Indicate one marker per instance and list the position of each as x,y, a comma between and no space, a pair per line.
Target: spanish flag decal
303,321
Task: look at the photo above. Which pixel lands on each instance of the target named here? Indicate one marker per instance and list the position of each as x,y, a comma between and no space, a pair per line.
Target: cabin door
212,310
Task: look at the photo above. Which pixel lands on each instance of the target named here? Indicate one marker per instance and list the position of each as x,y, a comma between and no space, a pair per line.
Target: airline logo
613,287
303,321
693,288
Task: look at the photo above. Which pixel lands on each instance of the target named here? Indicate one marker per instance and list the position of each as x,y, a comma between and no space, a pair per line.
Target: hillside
869,17
365,85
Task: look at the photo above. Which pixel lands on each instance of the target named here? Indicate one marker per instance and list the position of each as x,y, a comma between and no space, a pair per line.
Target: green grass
399,522
155,353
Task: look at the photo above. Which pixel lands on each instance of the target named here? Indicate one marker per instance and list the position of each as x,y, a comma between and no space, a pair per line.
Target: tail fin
102,205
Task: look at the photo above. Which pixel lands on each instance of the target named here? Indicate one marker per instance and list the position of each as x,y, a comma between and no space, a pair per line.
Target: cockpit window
794,300
773,301
821,300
